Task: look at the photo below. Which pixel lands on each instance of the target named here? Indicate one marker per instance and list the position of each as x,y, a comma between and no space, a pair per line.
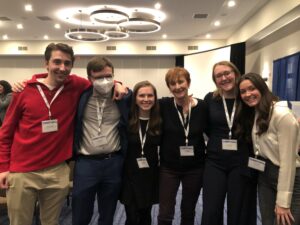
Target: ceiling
178,25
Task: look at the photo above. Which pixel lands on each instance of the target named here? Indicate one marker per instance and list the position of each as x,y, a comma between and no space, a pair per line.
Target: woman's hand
283,216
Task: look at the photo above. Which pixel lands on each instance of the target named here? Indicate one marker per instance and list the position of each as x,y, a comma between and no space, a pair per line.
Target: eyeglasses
225,73
103,76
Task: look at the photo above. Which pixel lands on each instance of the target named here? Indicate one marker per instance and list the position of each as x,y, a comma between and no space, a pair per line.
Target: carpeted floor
66,218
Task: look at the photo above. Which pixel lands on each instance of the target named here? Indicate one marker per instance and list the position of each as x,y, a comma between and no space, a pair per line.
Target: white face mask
103,86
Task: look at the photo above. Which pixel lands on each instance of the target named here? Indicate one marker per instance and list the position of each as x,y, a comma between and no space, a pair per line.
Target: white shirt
280,145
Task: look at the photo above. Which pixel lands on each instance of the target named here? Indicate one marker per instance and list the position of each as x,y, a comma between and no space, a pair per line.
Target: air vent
4,18
151,48
111,48
200,15
22,48
192,47
44,18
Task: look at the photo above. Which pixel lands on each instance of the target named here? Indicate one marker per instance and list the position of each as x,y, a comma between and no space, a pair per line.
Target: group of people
136,148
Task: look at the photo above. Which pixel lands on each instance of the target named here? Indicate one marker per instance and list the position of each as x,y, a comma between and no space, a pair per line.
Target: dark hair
6,87
245,114
97,64
59,47
175,73
154,120
218,92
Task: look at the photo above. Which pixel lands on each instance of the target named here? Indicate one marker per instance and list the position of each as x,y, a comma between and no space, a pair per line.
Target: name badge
49,126
142,163
229,144
99,141
186,150
256,164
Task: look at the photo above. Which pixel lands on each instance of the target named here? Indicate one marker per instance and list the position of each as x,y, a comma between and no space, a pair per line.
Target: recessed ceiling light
28,7
4,37
157,5
57,26
217,23
208,36
46,37
231,3
164,36
20,26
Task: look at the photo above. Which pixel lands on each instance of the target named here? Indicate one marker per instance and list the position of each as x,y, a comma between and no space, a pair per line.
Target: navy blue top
217,130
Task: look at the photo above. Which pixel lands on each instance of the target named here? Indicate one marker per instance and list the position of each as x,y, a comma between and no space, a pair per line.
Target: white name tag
99,141
229,144
186,150
256,164
49,126
142,163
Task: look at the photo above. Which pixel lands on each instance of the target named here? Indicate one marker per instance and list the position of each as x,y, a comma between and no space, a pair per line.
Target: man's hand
283,215
119,91
19,86
3,180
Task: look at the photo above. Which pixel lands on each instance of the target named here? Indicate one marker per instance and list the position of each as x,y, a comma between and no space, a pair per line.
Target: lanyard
186,130
257,147
229,120
45,99
100,113
143,139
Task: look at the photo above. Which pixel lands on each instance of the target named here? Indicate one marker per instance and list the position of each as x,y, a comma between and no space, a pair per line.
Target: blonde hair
217,93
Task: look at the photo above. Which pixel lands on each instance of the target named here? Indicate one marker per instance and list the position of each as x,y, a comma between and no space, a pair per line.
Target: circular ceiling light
118,33
109,16
83,34
140,25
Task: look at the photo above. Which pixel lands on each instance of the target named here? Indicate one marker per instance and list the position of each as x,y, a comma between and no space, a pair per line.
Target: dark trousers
170,180
136,216
267,191
91,177
220,182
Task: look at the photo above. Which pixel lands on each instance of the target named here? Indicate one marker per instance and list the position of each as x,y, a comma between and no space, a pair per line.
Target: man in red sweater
36,139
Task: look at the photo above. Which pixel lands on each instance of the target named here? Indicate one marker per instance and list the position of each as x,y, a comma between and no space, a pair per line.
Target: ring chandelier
103,22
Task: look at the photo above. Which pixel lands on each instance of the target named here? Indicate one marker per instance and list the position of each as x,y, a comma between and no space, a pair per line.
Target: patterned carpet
65,218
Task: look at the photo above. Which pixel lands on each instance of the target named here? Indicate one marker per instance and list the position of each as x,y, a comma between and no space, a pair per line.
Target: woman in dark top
226,172
182,148
140,181
5,98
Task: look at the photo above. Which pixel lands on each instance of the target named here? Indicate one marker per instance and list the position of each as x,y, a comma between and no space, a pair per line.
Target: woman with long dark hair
5,98
275,134
140,180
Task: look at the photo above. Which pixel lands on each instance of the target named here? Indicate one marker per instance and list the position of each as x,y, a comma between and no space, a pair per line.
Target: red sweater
23,146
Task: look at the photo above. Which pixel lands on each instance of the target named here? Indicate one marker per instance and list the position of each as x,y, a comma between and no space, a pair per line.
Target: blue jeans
267,190
91,177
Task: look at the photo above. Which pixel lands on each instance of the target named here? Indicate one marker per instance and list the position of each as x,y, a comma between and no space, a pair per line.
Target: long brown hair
245,114
154,120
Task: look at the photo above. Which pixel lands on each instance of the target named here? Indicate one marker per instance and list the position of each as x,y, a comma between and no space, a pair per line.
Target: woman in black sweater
182,148
140,181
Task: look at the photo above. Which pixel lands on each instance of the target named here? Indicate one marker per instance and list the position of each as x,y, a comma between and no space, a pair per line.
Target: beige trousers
49,187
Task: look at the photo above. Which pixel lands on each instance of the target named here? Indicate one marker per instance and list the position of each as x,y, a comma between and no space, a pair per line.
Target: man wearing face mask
99,145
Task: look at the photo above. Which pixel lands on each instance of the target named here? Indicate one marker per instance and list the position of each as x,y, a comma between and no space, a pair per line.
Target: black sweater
173,136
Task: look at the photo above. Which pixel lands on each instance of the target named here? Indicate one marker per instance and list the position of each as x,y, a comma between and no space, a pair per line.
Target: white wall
128,69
